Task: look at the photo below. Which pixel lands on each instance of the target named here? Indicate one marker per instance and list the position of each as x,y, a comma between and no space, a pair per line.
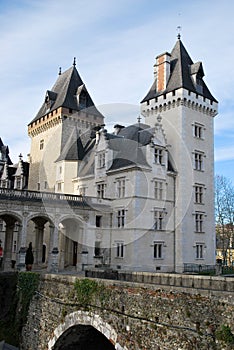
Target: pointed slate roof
4,150
181,70
66,93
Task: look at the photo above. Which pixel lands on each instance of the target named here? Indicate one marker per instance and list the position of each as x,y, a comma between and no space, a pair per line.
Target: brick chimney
162,70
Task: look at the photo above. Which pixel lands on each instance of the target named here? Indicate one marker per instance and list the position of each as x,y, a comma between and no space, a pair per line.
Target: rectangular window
119,249
121,218
199,217
198,131
97,248
41,144
158,155
46,185
157,250
101,160
198,161
158,190
82,191
18,183
158,219
98,220
199,251
101,190
120,188
199,194
59,186
38,186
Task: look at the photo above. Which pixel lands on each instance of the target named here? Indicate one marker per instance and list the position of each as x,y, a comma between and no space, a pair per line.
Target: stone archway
71,242
9,238
79,326
83,337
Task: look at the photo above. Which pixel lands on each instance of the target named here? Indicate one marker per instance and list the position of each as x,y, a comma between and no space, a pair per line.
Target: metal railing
200,269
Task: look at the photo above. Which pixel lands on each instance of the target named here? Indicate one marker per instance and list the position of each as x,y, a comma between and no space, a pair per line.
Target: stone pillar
39,230
54,252
61,251
8,246
21,244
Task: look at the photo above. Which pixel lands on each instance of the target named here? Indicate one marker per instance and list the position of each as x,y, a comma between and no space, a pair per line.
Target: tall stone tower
67,110
180,96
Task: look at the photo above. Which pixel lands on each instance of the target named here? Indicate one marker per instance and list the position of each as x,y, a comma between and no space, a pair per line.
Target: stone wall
132,315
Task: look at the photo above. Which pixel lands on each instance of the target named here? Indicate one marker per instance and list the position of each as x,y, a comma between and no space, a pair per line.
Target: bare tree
224,214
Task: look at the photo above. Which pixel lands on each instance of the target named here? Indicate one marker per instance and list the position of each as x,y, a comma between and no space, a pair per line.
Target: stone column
39,230
62,250
54,252
21,244
8,246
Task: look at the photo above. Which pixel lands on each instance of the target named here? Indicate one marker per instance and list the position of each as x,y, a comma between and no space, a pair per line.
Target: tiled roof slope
181,68
64,93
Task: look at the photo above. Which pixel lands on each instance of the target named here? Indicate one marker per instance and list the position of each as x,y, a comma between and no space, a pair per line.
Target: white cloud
115,43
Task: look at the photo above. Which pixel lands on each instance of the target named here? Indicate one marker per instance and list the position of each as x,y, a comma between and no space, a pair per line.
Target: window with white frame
121,217
198,130
158,155
158,219
158,189
119,253
120,187
101,190
198,160
199,221
101,160
158,250
199,193
199,251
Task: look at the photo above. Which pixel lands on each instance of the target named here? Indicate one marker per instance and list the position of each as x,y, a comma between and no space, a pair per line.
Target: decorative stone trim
86,318
180,102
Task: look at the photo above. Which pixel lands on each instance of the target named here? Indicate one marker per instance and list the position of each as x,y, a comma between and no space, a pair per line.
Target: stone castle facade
149,186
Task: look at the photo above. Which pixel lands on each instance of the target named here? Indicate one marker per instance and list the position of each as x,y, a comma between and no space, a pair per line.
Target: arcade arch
10,230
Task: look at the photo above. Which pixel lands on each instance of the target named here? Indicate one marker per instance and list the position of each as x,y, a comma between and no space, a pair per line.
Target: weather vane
179,29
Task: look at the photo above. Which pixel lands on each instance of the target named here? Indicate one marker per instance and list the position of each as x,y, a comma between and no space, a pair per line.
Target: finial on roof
179,28
60,70
139,119
74,62
20,156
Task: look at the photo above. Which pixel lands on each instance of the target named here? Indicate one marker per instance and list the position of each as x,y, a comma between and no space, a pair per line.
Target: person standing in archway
29,258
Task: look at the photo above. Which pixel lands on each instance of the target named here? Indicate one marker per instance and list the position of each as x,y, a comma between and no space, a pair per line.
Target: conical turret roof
181,70
66,93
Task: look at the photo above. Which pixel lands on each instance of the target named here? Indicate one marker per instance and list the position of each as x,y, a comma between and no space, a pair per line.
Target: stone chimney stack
162,70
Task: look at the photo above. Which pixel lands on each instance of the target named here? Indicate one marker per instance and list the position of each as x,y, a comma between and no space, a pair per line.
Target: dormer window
158,155
82,100
101,160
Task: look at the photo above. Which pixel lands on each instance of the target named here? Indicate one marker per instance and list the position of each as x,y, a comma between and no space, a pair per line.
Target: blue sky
115,43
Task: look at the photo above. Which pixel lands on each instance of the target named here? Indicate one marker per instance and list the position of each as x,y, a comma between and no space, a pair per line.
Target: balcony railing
25,195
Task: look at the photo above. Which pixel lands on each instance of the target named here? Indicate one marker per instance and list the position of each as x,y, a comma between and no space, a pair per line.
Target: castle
149,185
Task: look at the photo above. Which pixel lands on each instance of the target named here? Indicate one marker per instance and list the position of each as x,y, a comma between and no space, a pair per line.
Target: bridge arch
86,322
